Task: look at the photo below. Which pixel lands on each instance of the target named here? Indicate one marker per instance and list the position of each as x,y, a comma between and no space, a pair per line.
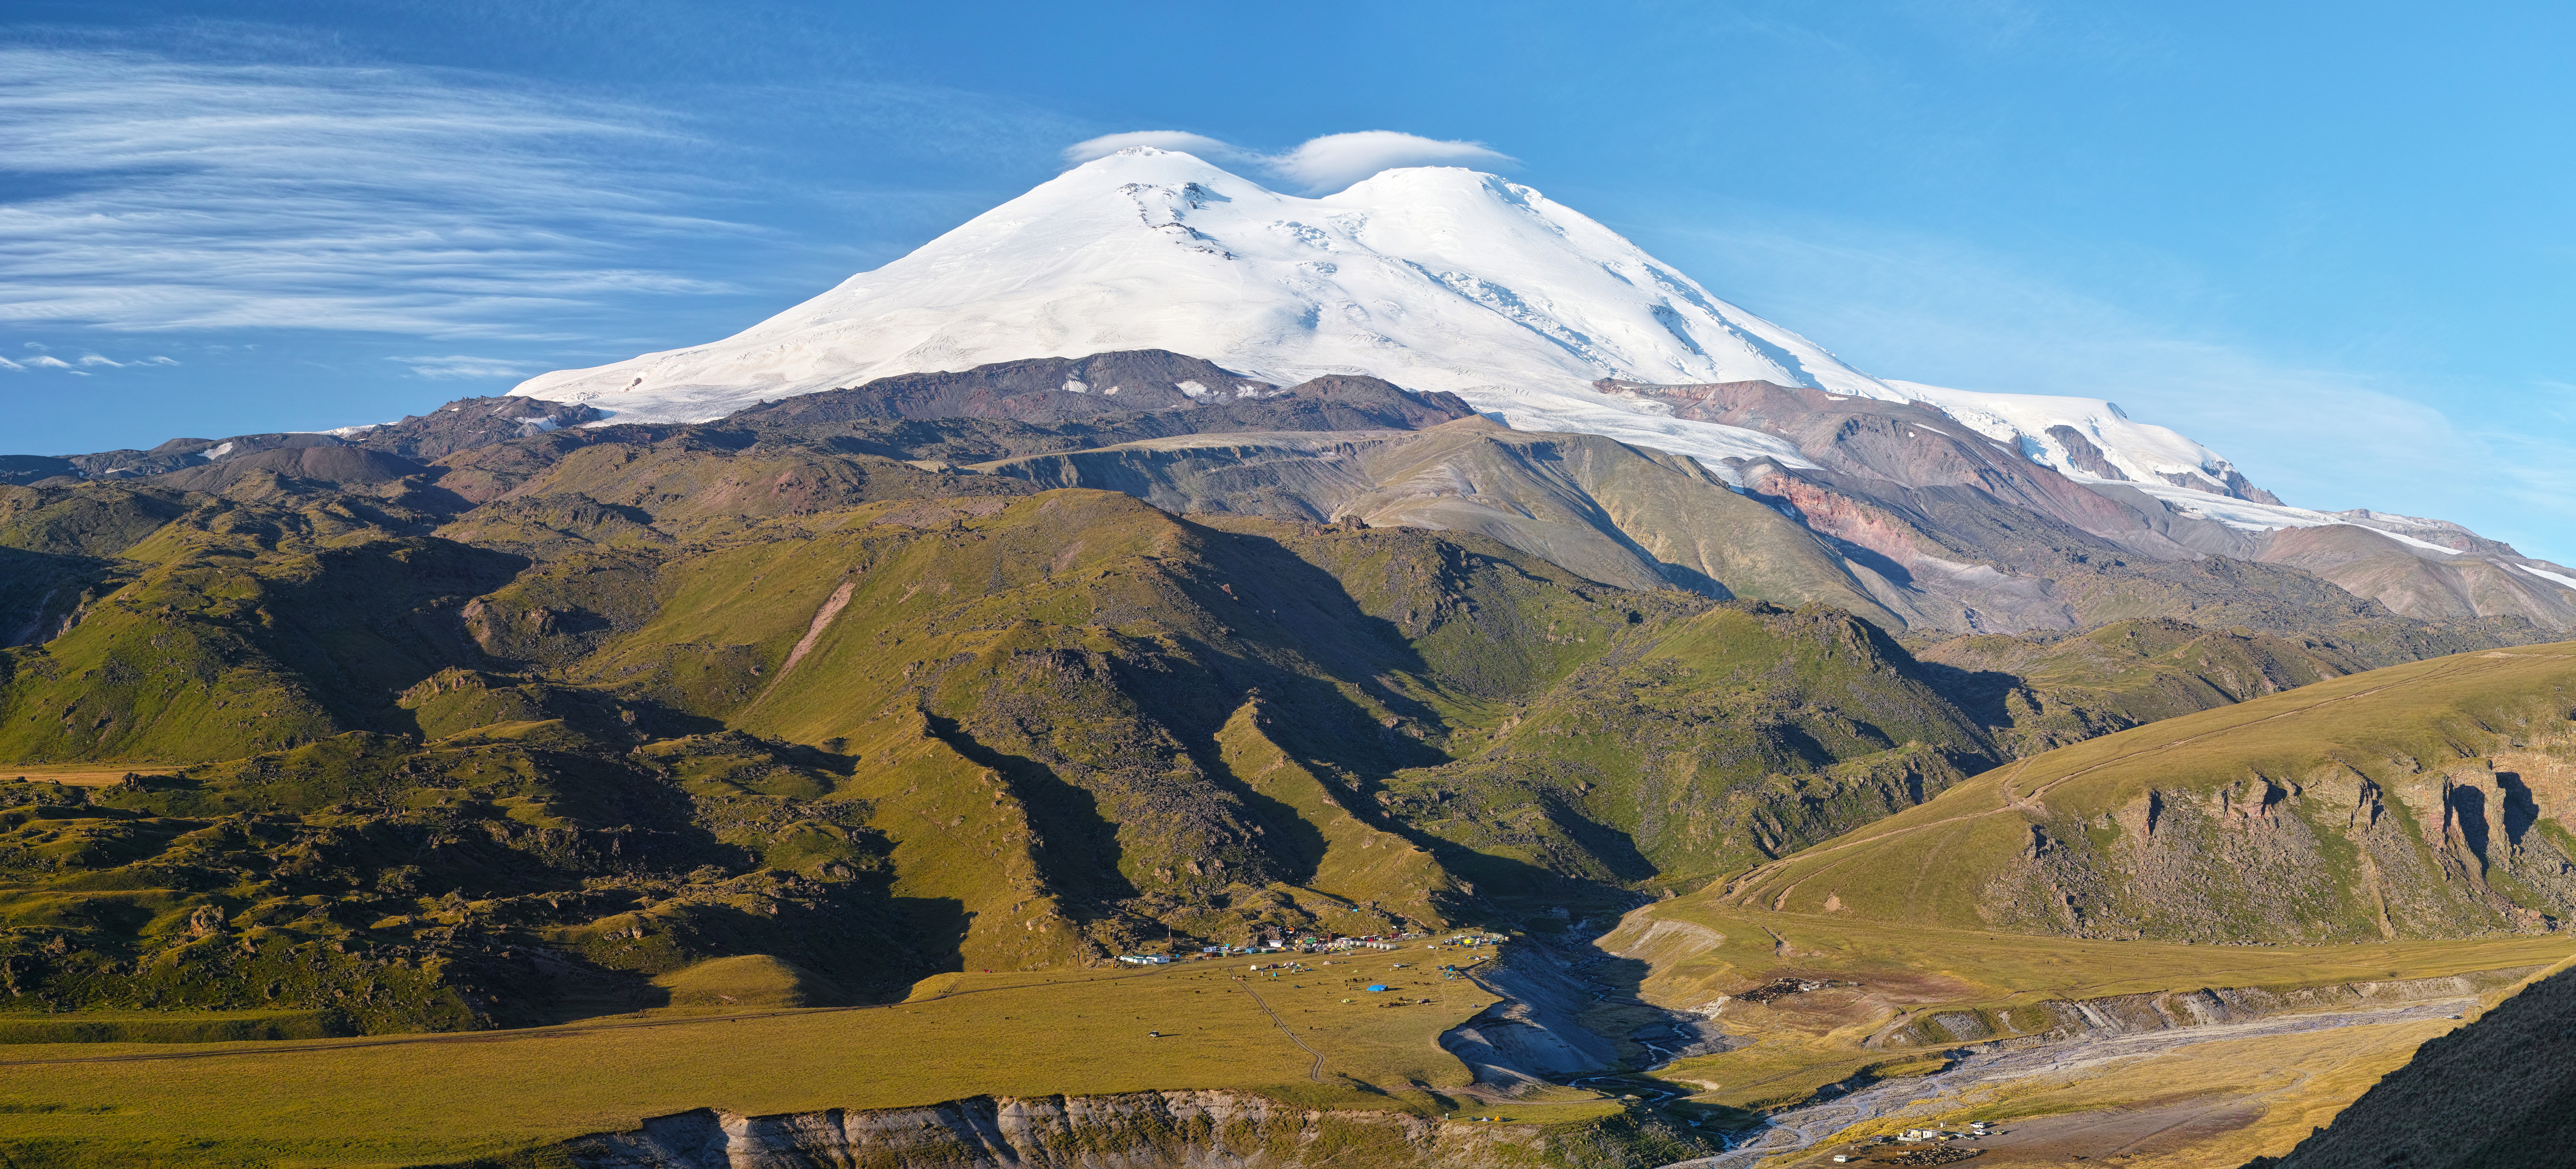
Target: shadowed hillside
2496,1094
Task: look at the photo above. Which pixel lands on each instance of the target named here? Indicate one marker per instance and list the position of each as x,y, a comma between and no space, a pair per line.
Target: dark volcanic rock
18,470
1054,390
1044,389
458,425
340,466
180,453
2081,452
470,422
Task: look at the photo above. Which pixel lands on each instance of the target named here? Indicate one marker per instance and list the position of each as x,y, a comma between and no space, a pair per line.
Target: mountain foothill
506,711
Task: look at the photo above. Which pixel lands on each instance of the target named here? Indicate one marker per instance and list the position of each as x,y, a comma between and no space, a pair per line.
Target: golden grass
407,1100
81,774
1978,968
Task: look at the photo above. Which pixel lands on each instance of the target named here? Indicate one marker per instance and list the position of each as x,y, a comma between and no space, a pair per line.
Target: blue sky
2331,240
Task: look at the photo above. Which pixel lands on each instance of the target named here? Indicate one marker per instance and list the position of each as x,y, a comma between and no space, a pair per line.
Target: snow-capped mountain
1435,278
1438,278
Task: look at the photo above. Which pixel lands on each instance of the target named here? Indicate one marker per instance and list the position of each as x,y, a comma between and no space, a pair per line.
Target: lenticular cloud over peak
1318,166
1335,161
1183,141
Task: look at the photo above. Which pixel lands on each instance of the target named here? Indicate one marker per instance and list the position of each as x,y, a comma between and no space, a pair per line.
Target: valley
806,756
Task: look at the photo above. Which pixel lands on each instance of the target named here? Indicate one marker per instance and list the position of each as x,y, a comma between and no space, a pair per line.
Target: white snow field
1434,278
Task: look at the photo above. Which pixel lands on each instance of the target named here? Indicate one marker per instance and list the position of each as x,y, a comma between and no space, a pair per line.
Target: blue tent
1377,988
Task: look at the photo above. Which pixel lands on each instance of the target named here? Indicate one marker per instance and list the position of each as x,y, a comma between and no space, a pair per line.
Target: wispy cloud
458,365
7,364
1318,165
49,363
1335,161
158,195
1211,149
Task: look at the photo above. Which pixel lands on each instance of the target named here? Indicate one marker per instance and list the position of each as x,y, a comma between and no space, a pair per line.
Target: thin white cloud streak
186,196
461,366
1932,311
5,363
49,362
1318,165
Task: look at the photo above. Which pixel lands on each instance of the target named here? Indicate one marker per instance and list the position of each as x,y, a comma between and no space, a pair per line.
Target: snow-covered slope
2087,438
1436,278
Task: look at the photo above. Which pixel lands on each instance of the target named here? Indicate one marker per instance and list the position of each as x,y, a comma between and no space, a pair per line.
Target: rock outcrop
1142,1130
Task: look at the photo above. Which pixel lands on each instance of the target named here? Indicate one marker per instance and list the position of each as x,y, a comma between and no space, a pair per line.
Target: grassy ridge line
1938,968
2430,711
1021,732
2125,747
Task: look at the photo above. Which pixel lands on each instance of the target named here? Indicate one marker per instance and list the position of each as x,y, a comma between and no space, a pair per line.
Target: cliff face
1145,1130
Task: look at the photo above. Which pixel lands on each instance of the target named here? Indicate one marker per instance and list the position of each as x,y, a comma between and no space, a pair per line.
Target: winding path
1315,1073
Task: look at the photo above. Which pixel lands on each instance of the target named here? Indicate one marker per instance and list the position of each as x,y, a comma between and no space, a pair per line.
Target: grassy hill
2424,800
601,743
2042,693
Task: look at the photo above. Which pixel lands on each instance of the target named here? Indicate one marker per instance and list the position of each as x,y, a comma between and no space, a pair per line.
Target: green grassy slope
2425,800
1103,681
2041,694
1741,734
1036,731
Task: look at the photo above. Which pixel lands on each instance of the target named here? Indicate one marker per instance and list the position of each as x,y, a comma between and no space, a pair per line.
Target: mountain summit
1442,278
1438,278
